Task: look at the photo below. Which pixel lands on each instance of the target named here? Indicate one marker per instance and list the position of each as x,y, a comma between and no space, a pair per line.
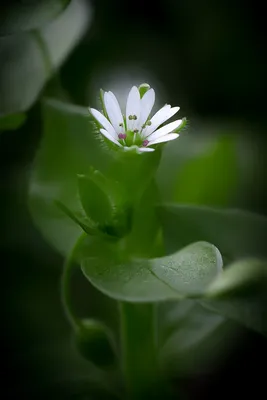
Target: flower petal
165,130
159,118
103,121
147,103
145,149
166,138
114,111
133,109
110,137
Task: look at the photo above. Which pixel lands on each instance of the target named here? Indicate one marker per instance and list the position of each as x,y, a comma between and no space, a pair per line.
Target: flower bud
94,342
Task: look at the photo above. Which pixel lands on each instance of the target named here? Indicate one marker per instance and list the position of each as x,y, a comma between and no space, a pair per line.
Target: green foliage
68,148
236,233
12,122
191,337
24,16
185,273
29,59
241,294
123,253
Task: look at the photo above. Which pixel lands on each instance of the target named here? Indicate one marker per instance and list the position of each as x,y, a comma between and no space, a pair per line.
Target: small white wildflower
136,129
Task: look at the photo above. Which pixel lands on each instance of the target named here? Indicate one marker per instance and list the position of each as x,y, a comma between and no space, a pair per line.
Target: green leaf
24,16
68,148
236,233
28,60
240,293
210,177
12,122
192,338
185,273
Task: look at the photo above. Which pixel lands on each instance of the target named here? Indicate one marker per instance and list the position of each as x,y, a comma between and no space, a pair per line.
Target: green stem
69,265
139,348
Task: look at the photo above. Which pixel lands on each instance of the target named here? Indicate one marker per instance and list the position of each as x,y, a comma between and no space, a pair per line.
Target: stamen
122,136
130,117
134,117
121,124
145,143
148,123
136,131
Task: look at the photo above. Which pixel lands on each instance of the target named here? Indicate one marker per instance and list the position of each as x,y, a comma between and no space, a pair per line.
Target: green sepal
105,203
94,200
80,220
182,126
143,88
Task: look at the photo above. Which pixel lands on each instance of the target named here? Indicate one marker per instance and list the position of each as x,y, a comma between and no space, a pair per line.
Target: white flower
136,130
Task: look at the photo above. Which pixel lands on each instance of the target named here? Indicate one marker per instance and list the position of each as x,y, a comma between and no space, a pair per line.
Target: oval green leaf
236,233
185,273
240,293
191,337
29,59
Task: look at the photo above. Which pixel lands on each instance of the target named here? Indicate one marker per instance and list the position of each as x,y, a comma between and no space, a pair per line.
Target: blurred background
208,58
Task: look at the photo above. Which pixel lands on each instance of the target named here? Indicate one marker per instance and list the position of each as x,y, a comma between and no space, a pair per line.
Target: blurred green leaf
192,338
182,274
68,148
12,122
24,16
210,177
236,233
240,293
29,59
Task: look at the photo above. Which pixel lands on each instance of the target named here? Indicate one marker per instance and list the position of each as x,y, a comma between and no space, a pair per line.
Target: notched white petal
114,112
147,103
165,113
165,130
166,138
133,109
110,137
103,121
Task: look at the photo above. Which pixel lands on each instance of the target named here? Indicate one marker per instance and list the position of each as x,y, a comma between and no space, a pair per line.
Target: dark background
210,56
